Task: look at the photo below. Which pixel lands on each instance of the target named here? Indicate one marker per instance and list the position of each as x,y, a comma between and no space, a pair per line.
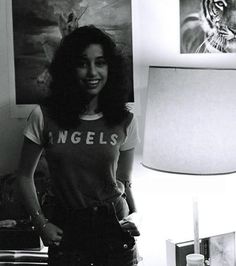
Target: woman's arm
123,173
124,170
30,155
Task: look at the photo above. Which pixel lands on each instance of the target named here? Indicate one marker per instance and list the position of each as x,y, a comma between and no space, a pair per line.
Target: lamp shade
190,123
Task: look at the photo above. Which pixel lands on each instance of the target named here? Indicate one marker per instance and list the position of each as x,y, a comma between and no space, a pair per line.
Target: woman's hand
51,234
129,224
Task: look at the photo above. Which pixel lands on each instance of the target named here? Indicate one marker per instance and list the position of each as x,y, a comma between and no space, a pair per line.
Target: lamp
190,123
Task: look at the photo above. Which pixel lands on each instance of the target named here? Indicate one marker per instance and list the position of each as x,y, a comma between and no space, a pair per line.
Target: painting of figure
207,26
39,26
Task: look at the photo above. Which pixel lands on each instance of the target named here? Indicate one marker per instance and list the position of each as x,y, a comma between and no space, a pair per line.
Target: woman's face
92,70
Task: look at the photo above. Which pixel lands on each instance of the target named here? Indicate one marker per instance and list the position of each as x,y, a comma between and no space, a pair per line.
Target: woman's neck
92,106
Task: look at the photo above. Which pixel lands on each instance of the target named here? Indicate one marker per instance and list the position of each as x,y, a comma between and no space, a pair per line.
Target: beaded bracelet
127,184
39,223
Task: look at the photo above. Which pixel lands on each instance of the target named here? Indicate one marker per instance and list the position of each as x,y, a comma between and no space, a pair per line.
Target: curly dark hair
67,100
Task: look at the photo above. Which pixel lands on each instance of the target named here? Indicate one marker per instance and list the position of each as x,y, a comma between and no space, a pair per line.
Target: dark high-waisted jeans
93,236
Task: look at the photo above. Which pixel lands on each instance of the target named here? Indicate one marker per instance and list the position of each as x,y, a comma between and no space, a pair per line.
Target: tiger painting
211,30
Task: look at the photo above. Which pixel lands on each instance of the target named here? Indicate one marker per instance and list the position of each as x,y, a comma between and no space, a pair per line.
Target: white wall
156,37
10,128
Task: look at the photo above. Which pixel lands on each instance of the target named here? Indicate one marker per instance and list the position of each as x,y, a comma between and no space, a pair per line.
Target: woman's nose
92,70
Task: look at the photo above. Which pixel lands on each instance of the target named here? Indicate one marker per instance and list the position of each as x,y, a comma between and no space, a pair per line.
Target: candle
195,260
196,227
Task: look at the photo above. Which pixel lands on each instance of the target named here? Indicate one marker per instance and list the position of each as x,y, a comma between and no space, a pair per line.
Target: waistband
117,207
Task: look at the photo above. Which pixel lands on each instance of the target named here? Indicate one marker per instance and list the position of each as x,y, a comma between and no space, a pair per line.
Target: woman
88,136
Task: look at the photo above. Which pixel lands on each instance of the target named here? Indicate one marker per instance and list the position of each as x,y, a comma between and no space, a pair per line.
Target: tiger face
220,24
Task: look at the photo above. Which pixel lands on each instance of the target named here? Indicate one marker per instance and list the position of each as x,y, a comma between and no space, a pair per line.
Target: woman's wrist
39,220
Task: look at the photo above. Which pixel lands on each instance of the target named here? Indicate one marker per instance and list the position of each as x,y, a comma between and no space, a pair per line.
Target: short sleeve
35,125
132,137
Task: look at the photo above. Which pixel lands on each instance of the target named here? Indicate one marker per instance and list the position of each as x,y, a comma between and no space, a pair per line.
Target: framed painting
36,28
207,26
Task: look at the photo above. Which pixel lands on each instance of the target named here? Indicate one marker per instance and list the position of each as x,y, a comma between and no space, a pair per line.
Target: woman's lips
92,83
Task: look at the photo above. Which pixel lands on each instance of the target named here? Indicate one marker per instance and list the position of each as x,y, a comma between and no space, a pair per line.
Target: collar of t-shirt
91,117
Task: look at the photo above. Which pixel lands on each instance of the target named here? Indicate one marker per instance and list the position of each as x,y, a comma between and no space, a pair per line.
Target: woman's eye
82,63
101,62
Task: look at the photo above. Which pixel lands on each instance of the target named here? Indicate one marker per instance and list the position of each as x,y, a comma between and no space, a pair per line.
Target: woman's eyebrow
84,57
101,57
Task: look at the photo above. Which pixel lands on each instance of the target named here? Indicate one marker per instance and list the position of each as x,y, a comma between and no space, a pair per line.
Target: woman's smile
92,83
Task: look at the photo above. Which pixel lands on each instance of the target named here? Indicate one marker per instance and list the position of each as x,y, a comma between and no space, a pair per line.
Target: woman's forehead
93,49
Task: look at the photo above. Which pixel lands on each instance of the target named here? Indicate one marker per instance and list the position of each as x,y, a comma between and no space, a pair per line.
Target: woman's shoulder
129,119
38,114
130,116
35,113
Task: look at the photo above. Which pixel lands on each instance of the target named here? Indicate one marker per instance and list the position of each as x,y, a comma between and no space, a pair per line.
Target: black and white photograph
117,136
207,26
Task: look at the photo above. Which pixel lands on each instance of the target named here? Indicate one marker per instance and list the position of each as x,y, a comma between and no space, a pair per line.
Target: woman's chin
93,91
